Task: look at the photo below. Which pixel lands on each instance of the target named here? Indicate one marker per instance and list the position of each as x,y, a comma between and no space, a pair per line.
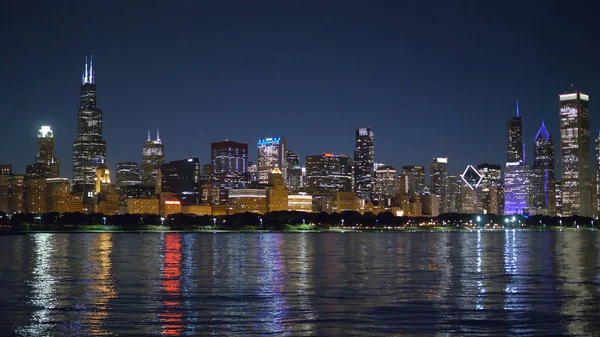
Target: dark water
403,284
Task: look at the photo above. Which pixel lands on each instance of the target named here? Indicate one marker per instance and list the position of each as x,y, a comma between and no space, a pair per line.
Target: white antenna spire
85,76
157,135
91,70
149,139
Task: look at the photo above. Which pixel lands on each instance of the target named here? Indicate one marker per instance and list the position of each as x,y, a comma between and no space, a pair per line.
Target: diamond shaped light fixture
471,177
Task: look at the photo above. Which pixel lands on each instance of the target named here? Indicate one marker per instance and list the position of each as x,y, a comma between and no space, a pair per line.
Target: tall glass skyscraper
363,163
45,151
575,154
516,174
230,167
89,150
414,178
294,172
153,156
271,154
438,180
544,197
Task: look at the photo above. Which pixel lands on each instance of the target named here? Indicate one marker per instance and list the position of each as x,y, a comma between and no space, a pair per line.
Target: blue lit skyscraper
544,197
517,174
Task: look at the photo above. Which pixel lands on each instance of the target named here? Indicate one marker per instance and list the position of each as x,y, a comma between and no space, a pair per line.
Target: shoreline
333,230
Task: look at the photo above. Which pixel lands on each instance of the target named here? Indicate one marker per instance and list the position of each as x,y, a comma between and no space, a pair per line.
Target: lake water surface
505,283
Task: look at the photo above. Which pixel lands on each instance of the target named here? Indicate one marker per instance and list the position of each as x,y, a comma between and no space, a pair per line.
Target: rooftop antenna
157,135
85,76
518,108
91,70
149,139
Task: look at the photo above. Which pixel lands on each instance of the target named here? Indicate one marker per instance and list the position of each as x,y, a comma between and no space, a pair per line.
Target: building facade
294,176
544,197
364,156
153,156
328,172
229,168
181,178
385,183
575,154
271,154
45,151
516,174
128,174
438,174
412,180
490,193
89,149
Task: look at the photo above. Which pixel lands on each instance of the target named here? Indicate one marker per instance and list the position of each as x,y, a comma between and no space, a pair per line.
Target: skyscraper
363,162
597,174
490,193
182,179
89,150
230,167
128,174
414,176
153,156
544,197
517,173
45,151
385,183
575,154
438,180
294,170
329,172
271,154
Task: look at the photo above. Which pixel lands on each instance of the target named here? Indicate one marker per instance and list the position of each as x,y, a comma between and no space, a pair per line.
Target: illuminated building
89,150
328,172
16,194
5,173
35,195
517,188
466,198
345,201
384,183
515,138
128,174
452,193
490,195
575,154
294,170
58,195
364,156
107,204
134,191
413,179
544,197
247,200
45,151
558,194
102,180
517,182
429,205
75,203
181,178
153,156
277,193
271,154
197,209
596,185
230,167
170,206
412,206
252,172
143,206
438,173
301,202
37,170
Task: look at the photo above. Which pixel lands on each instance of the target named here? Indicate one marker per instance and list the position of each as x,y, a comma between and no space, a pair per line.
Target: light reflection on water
505,283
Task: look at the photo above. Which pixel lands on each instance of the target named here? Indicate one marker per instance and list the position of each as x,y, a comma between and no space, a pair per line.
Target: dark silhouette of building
181,178
363,163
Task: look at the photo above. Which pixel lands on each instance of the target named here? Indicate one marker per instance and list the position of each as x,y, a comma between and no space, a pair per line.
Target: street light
104,219
303,222
261,226
478,220
342,222
214,223
162,221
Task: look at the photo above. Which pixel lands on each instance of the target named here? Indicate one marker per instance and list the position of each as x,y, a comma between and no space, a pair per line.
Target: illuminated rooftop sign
269,141
471,177
45,131
441,160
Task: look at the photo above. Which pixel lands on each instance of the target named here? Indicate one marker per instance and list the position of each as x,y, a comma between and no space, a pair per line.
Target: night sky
432,79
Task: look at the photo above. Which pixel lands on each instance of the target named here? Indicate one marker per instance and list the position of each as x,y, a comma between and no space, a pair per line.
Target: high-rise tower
153,156
45,152
271,154
89,150
230,167
517,173
575,154
596,177
438,176
363,163
544,197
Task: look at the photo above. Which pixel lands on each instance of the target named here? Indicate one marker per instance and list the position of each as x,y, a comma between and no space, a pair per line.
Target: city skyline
370,82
